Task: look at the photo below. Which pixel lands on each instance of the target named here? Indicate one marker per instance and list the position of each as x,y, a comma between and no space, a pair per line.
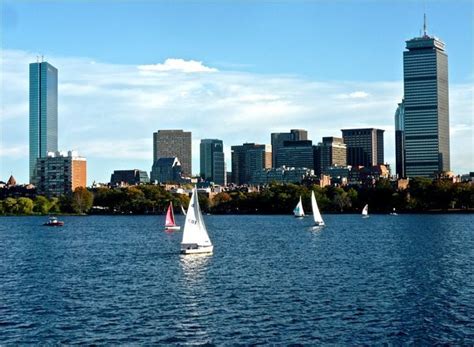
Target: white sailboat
298,211
183,210
318,219
365,211
195,237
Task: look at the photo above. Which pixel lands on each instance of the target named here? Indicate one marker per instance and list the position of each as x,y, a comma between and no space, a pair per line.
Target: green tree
24,205
41,205
10,206
82,200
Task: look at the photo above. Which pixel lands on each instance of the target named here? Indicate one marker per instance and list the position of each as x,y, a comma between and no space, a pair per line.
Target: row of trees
422,195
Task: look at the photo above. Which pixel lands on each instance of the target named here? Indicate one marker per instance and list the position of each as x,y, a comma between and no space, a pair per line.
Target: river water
271,280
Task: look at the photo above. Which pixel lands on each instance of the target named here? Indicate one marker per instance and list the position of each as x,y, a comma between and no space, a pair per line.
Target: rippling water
271,279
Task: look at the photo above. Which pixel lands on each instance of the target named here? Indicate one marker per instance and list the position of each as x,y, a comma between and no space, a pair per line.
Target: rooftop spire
424,24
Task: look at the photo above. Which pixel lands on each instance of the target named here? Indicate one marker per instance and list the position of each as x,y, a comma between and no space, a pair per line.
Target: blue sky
270,66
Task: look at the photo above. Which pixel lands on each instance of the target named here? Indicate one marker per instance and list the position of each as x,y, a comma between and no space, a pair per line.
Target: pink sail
170,216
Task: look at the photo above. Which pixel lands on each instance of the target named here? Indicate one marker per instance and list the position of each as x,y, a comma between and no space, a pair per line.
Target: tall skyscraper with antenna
43,112
426,106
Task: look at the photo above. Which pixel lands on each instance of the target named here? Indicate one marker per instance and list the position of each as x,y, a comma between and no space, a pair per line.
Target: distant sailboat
170,223
183,210
365,211
195,237
394,212
298,211
318,219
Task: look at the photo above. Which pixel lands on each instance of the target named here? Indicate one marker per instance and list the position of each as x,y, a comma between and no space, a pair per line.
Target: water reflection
194,266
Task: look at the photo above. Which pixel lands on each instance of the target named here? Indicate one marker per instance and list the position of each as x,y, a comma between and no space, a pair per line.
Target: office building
277,140
298,154
400,141
60,173
166,170
129,177
174,143
364,146
426,107
43,117
333,152
248,158
212,161
282,174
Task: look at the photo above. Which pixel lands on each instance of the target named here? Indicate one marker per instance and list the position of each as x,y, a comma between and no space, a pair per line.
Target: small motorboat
53,222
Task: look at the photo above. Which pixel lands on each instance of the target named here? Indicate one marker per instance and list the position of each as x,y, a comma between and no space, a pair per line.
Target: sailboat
298,211
318,219
170,223
183,210
365,211
195,237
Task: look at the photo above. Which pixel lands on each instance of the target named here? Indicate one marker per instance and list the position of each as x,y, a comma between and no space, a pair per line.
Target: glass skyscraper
212,161
426,107
400,140
43,113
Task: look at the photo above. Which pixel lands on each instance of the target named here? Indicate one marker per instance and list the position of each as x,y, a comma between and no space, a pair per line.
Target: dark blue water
271,279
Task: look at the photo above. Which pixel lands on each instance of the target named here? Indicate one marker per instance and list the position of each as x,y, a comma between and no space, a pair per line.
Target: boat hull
58,224
198,250
176,227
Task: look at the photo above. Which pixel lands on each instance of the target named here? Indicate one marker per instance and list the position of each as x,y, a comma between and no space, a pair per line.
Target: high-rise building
333,152
130,177
400,140
43,116
60,173
364,146
212,161
173,143
297,154
277,140
426,106
248,158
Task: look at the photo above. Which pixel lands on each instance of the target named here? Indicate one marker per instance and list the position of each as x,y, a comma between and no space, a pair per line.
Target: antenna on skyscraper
424,24
42,58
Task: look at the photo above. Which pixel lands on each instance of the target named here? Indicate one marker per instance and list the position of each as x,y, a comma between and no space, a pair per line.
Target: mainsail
318,219
365,210
170,222
298,211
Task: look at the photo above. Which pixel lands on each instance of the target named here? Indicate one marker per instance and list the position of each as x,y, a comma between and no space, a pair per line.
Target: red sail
170,216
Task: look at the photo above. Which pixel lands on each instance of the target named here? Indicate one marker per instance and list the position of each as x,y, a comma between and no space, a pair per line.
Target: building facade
426,107
166,170
212,161
130,177
400,140
333,152
281,175
298,154
43,113
174,143
277,140
248,158
60,173
364,146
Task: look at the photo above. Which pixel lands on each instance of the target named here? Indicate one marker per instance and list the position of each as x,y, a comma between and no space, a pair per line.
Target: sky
233,70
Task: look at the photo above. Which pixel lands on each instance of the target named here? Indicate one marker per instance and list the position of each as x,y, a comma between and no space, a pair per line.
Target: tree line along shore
422,195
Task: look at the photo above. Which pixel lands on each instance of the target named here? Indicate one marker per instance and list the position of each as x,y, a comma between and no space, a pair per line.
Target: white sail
298,211
365,210
195,233
318,219
182,210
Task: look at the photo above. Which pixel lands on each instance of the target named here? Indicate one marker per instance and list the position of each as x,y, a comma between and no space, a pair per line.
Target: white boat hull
176,227
197,250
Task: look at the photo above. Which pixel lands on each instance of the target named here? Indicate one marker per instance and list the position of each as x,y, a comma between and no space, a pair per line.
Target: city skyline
236,103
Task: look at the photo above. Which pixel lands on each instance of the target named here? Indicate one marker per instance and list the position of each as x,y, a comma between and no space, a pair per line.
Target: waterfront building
129,177
166,170
364,146
299,154
333,152
212,161
174,143
426,106
400,141
248,158
282,174
60,173
278,139
43,113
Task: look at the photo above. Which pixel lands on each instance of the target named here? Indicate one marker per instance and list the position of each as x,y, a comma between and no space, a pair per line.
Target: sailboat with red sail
170,223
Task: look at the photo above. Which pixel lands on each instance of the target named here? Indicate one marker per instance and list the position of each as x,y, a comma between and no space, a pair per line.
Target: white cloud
108,112
182,65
